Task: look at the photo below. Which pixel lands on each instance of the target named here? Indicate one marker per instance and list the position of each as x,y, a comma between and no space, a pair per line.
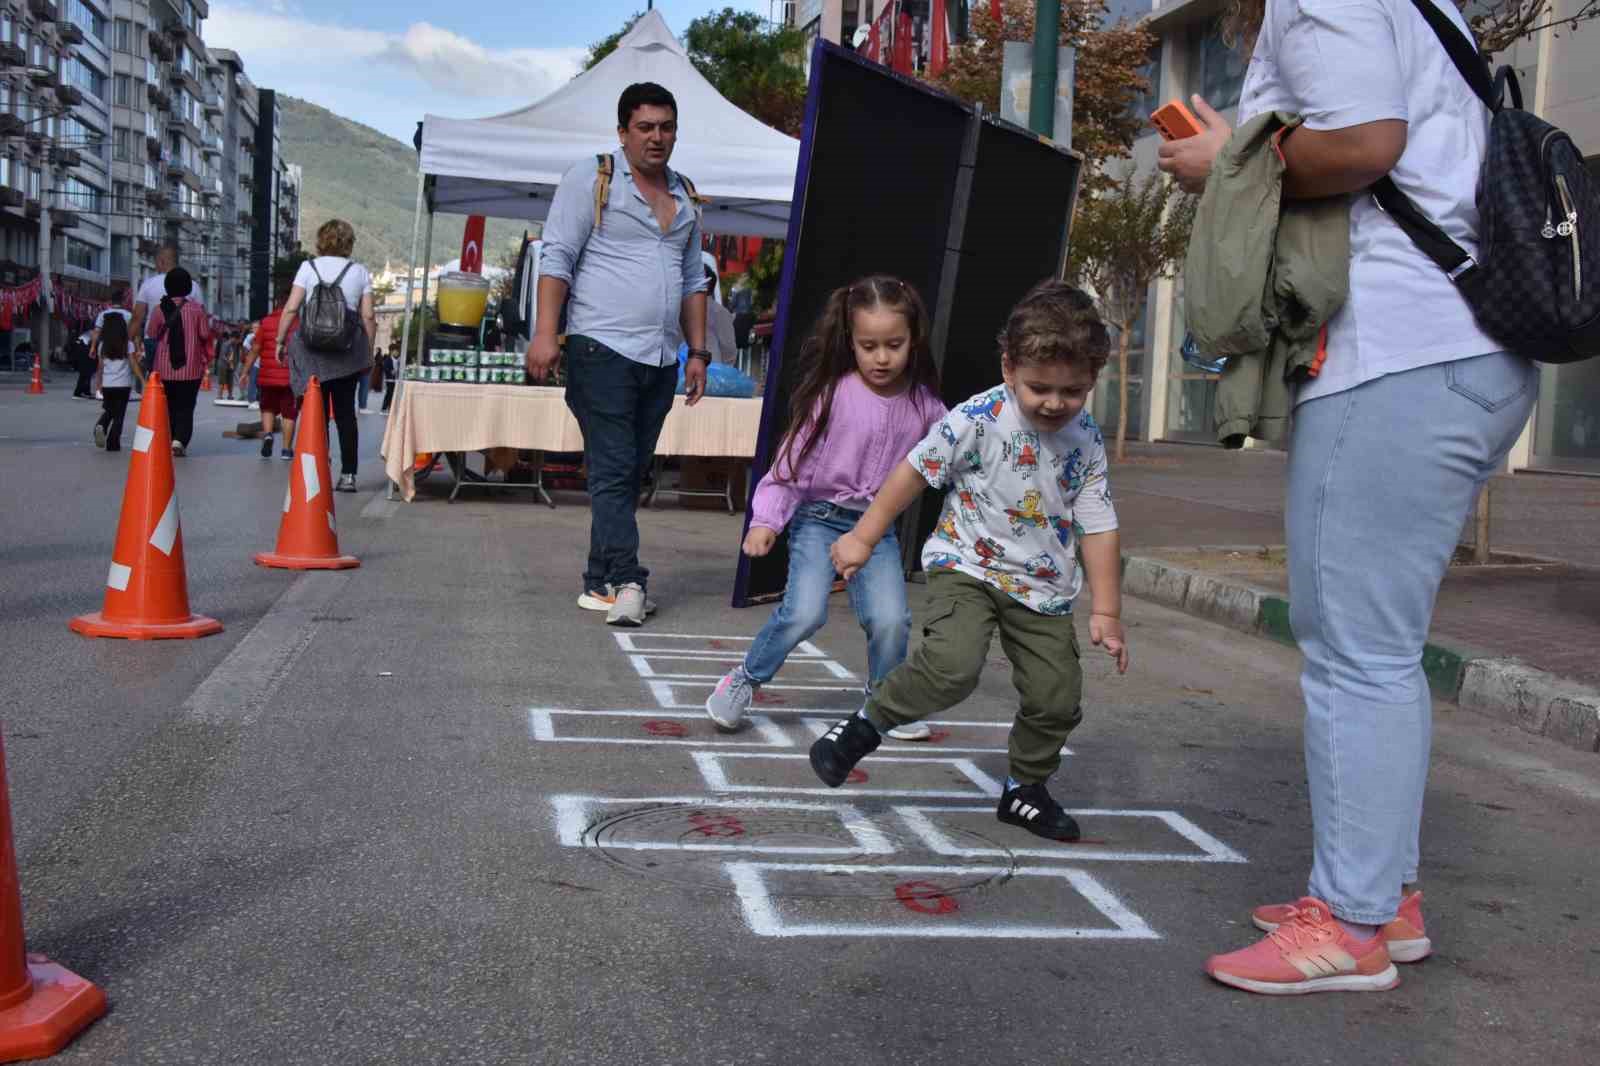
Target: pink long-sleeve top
867,436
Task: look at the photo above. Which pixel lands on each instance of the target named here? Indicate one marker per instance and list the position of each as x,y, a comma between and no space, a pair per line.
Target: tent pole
405,323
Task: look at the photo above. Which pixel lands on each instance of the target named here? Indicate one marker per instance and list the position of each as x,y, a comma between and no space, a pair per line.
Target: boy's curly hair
1055,323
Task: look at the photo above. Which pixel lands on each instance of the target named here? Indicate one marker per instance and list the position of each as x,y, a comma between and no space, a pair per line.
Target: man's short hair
643,94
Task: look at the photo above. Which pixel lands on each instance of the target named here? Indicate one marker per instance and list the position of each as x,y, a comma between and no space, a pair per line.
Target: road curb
1533,700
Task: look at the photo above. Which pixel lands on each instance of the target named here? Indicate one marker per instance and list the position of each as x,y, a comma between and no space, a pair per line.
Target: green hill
369,179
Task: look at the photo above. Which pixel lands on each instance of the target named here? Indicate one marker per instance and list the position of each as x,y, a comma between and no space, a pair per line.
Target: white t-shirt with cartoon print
1017,499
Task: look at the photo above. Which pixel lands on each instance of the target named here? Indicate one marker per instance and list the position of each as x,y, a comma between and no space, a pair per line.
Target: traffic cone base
98,625
36,384
280,561
59,1006
308,536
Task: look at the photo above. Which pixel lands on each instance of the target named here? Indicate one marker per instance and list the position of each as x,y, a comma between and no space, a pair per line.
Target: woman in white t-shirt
111,346
339,373
1414,408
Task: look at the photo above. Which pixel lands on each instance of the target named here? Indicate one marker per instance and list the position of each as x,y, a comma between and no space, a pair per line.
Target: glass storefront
1107,391
1566,427
1191,394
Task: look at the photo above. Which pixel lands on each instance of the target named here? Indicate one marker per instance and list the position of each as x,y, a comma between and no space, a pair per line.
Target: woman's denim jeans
1381,479
877,592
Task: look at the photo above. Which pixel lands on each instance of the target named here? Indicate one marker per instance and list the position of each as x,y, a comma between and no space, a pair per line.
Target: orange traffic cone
147,593
205,379
36,386
307,536
42,1005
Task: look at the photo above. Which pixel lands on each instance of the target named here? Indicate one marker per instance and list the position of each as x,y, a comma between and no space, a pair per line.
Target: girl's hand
849,553
759,541
1106,630
1189,160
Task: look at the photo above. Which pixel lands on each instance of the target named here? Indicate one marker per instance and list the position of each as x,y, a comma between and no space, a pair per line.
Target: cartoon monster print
946,528
974,460
1008,584
930,465
985,408
1063,528
969,506
1088,423
1042,567
990,551
1056,605
941,561
1072,473
1023,453
1027,513
947,433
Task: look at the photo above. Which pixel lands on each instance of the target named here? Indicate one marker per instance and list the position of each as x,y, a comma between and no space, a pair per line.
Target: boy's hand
759,541
1106,630
849,553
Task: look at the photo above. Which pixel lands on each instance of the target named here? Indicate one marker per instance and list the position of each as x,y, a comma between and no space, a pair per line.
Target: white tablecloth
437,417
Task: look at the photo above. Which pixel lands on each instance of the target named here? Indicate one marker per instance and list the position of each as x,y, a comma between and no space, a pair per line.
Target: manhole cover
687,844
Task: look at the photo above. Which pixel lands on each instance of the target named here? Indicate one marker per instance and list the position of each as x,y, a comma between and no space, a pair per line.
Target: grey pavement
337,832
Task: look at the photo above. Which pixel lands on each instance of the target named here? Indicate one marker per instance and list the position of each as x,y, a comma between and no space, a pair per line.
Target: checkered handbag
1535,285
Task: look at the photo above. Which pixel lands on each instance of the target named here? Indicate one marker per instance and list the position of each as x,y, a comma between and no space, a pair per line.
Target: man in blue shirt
634,290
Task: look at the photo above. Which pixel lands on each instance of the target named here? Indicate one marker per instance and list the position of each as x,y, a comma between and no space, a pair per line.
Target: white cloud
387,80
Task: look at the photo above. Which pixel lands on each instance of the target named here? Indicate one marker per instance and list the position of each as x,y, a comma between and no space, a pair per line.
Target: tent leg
405,323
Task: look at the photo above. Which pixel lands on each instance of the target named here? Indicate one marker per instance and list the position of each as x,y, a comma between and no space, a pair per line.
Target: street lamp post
1042,100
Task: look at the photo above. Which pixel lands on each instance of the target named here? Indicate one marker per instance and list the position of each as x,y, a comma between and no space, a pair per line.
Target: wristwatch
700,353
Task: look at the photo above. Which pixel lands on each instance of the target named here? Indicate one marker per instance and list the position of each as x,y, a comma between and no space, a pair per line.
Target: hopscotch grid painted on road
657,657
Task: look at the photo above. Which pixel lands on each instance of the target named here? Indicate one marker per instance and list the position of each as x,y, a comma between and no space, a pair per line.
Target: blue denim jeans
877,592
620,406
1381,479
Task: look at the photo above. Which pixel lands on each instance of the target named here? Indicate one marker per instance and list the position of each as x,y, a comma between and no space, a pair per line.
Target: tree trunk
1122,391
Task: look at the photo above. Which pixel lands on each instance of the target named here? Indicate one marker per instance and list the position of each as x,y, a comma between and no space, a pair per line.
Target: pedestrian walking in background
1023,469
227,364
148,297
111,344
341,365
1414,407
83,364
271,375
868,392
391,372
181,330
637,291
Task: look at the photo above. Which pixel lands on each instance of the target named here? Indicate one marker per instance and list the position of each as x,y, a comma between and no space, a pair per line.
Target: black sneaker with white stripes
838,750
1031,807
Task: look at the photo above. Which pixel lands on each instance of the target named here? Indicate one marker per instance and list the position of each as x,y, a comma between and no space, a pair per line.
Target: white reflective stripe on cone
331,528
166,530
142,438
287,494
308,472
118,578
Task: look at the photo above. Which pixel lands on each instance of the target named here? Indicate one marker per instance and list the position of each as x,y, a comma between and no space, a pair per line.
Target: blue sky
388,62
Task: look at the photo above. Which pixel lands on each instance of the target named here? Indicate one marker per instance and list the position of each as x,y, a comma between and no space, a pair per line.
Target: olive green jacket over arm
1262,277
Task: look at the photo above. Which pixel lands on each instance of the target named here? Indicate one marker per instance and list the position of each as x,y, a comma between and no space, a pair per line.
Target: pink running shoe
1406,936
1309,952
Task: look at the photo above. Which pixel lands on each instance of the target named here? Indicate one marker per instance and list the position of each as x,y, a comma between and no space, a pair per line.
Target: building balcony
10,125
213,104
10,197
43,77
160,99
152,147
70,95
69,32
155,197
63,220
35,136
211,148
32,208
148,246
162,48
12,55
44,10
66,157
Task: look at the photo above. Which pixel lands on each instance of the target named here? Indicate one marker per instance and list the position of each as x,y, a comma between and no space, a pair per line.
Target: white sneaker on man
628,610
602,598
910,731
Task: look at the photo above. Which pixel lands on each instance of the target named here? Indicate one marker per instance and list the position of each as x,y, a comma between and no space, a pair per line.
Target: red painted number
716,825
769,697
717,644
938,735
857,777
924,897
658,728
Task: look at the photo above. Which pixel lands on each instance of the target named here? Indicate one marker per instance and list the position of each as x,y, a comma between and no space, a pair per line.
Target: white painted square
699,643
1191,844
674,729
824,672
955,738
779,698
763,912
573,814
714,766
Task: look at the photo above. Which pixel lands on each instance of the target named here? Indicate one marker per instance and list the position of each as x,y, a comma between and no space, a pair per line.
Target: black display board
898,178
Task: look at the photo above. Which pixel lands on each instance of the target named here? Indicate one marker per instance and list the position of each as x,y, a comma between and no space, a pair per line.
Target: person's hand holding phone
1188,159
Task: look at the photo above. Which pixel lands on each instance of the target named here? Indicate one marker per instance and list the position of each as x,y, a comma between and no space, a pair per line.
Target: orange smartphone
1175,121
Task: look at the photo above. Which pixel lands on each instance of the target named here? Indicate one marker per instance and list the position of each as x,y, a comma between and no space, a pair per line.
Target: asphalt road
357,827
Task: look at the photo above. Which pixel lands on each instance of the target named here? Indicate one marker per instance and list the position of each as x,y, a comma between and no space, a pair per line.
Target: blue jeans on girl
1381,479
877,593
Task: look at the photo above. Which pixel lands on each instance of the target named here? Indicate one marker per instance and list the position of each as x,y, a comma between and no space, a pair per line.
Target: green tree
1122,240
759,69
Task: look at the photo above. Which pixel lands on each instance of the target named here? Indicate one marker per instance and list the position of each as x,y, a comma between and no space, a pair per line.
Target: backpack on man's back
328,323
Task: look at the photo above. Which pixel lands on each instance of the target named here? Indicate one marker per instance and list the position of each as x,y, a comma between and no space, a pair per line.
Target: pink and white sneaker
1406,936
1308,952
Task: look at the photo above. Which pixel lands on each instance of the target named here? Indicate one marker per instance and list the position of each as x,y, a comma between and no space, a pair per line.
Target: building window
86,18
122,257
83,255
1221,71
122,144
122,90
77,72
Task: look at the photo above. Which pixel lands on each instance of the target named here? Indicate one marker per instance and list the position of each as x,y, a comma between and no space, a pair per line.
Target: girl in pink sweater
868,393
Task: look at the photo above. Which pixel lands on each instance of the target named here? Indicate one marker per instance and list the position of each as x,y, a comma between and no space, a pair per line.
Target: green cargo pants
962,613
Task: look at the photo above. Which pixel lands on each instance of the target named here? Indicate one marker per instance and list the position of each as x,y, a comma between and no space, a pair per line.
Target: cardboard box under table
438,417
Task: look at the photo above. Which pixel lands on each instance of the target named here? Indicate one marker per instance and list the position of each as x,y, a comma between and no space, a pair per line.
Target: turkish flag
939,50
903,44
997,9
472,246
873,45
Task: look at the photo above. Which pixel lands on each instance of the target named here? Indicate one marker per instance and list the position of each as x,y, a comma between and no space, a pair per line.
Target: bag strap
604,167
312,263
348,263
1463,53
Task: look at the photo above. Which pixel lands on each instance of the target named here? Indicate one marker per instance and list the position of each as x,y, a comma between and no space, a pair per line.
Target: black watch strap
700,353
